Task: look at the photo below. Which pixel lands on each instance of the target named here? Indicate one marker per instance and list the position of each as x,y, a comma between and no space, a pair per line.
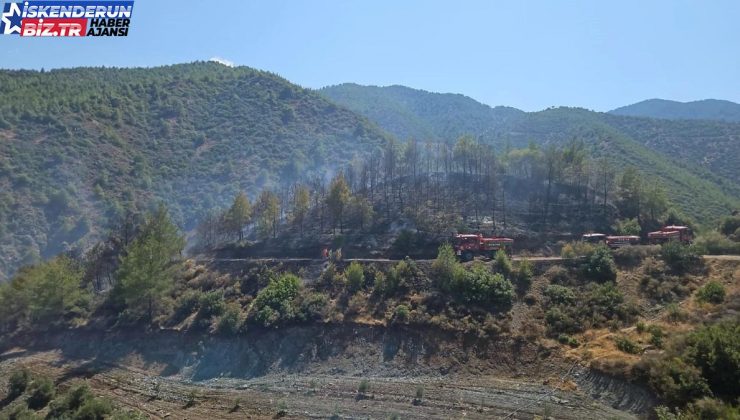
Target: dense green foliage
600,265
679,257
355,277
703,363
478,285
715,350
79,146
146,272
712,292
80,404
595,305
73,403
40,392
18,382
276,303
445,268
626,345
44,295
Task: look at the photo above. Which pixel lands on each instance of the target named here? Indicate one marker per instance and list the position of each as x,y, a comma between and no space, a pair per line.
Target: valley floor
319,396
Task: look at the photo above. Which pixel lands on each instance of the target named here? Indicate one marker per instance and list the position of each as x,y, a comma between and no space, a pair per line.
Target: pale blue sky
527,54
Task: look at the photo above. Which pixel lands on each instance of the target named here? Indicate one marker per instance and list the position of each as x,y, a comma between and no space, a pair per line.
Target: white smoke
225,62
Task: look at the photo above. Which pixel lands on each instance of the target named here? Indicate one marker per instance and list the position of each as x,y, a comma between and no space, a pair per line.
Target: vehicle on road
671,233
467,246
615,242
594,238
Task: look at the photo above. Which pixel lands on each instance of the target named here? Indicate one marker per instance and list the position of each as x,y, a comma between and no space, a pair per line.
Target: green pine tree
147,269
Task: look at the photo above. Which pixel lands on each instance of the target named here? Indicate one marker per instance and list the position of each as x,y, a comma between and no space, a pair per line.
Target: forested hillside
708,109
80,147
694,160
406,112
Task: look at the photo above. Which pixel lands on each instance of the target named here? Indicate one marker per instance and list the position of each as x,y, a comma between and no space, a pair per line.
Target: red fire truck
467,246
671,233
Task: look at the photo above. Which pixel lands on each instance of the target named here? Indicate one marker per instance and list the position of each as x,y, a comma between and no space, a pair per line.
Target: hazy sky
527,54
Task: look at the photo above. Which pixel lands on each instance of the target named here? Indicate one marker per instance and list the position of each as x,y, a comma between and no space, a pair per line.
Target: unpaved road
372,260
315,396
362,260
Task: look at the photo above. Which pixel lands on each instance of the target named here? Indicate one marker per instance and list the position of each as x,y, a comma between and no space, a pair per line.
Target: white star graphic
14,11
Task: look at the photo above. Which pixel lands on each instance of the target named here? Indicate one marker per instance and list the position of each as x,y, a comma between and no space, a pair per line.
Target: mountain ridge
704,109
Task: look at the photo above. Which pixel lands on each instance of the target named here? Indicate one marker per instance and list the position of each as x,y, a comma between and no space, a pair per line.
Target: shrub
502,263
364,387
600,265
606,302
71,402
380,284
559,321
678,256
576,249
314,306
401,313
568,340
191,399
674,313
356,304
276,302
355,277
22,412
711,408
211,304
715,350
259,277
94,409
633,255
523,275
558,274
186,305
560,295
230,321
400,277
656,336
715,244
712,292
480,285
626,345
41,391
445,268
641,327
18,382
673,379
729,225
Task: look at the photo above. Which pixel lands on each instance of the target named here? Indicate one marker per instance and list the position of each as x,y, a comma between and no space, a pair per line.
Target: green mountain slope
701,177
411,113
708,109
79,146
